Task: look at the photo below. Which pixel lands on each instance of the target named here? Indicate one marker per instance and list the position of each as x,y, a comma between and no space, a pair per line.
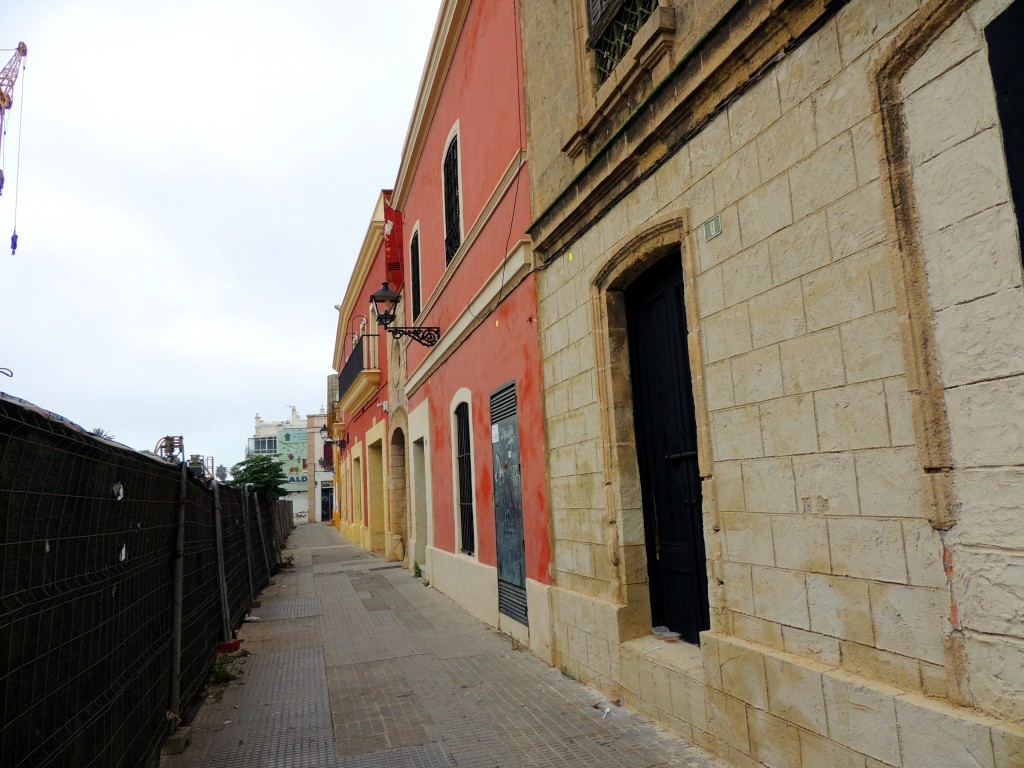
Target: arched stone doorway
665,426
397,492
648,342
375,496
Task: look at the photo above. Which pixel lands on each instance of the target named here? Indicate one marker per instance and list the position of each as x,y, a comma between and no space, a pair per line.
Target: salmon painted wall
483,93
505,347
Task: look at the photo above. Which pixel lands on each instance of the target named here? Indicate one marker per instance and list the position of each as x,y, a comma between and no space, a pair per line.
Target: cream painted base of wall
518,632
469,583
474,587
356,533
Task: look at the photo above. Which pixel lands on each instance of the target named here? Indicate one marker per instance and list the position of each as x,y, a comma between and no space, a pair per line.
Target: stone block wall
967,234
848,617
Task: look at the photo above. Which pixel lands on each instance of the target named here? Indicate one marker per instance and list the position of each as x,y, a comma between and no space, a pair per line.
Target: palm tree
101,432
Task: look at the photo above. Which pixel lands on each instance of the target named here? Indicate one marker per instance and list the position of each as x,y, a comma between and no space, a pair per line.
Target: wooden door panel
666,438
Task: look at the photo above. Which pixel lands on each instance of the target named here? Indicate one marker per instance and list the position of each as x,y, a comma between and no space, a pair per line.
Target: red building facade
358,421
464,442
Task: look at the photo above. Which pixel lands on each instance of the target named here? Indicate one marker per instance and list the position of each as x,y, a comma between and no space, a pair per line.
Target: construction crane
8,77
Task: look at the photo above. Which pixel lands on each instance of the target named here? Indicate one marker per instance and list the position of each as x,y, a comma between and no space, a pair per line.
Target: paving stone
373,669
289,608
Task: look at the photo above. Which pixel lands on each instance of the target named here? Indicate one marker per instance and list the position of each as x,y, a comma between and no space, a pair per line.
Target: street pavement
355,662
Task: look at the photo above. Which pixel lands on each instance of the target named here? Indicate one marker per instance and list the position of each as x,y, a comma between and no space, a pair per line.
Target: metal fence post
178,556
248,545
225,609
278,527
263,536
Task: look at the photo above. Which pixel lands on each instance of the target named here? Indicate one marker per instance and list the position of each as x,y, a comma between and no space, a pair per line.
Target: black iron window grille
465,477
414,269
452,220
613,25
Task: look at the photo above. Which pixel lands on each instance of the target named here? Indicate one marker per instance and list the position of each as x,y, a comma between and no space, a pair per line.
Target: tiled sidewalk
356,663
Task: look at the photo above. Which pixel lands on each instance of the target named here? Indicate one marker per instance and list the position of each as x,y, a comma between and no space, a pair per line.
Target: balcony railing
363,358
360,375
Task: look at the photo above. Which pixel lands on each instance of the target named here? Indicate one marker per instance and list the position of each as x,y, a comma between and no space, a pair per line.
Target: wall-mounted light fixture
342,444
384,302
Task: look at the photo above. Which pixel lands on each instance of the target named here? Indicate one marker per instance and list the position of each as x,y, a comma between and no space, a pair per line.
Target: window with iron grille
613,25
464,473
414,269
452,220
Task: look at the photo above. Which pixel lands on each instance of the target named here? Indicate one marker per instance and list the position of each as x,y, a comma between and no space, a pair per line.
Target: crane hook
14,242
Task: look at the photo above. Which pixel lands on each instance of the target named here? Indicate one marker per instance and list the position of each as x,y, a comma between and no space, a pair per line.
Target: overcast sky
196,179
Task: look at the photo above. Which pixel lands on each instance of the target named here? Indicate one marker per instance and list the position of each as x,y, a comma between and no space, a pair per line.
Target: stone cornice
730,58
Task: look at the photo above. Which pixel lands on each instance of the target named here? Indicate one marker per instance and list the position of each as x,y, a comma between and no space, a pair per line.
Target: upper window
613,25
414,273
452,219
263,445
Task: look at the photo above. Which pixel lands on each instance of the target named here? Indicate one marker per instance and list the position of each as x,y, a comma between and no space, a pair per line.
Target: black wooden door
1004,35
326,502
508,504
666,438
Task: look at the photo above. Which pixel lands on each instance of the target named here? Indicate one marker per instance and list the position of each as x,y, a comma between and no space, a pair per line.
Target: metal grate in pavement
425,756
343,555
277,714
275,609
276,636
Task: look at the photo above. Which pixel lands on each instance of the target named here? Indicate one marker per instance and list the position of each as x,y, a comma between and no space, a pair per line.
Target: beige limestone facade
831,177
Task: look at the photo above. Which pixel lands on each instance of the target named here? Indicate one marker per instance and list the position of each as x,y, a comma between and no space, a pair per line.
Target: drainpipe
225,610
178,556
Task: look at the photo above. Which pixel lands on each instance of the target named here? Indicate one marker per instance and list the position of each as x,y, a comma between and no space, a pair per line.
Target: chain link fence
88,556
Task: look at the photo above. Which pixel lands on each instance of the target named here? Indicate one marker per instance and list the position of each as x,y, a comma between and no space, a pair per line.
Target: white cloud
196,180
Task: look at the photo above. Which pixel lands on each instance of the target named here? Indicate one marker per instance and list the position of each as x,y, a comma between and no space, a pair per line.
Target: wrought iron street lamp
384,302
342,444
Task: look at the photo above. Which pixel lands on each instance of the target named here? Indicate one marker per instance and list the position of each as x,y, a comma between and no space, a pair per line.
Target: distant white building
288,441
321,475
